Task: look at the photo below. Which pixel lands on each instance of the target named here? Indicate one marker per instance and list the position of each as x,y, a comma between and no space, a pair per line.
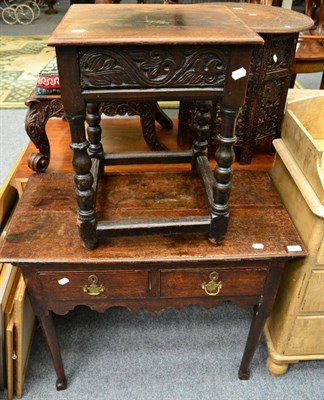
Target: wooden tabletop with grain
208,23
151,24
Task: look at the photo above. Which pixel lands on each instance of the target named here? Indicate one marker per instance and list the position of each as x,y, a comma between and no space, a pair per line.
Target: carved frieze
153,67
120,108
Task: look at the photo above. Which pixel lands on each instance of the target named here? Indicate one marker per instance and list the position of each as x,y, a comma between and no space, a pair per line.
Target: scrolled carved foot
244,375
61,384
40,109
38,162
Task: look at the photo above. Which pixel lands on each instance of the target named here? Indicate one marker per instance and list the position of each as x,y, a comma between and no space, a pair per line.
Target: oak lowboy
156,271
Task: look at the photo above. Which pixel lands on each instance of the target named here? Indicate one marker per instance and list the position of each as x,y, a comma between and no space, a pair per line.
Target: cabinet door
307,336
320,254
314,298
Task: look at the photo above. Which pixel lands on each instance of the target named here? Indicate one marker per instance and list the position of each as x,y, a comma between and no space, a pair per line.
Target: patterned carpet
21,59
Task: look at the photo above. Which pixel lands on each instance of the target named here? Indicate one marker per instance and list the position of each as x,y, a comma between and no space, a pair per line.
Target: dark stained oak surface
44,225
151,272
269,19
178,23
151,24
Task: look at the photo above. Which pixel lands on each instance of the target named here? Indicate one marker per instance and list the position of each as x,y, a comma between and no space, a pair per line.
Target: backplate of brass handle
93,289
212,288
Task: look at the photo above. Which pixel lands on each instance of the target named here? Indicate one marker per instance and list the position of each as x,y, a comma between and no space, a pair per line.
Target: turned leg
39,111
236,81
48,329
75,110
93,119
202,129
83,180
219,209
187,120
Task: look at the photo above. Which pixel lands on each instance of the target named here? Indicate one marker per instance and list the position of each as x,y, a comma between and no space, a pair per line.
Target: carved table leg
203,117
83,179
39,111
46,323
94,129
236,82
186,121
224,156
147,112
162,118
75,109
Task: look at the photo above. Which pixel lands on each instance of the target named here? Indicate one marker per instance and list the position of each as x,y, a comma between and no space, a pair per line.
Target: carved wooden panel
130,67
270,106
259,121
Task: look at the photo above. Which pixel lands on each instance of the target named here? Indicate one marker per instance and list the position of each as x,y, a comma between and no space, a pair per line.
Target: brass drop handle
93,289
212,288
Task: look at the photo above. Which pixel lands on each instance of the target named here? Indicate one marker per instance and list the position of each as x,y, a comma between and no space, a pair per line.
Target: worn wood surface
178,21
268,19
152,272
255,208
151,24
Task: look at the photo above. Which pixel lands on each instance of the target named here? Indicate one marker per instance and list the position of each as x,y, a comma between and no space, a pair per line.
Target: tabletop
269,19
43,229
179,24
151,24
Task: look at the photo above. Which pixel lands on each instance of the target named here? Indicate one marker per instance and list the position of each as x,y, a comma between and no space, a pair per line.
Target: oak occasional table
152,272
259,121
149,53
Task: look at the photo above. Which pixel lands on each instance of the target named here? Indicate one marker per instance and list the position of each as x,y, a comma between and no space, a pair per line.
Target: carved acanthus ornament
164,67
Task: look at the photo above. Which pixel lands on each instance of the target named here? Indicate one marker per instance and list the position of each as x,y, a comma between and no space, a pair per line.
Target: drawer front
85,285
212,282
124,67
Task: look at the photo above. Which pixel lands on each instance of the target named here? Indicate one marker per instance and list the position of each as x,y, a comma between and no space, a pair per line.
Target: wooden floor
119,134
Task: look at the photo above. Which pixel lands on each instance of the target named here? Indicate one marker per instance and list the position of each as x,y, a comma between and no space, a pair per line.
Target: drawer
74,285
200,282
